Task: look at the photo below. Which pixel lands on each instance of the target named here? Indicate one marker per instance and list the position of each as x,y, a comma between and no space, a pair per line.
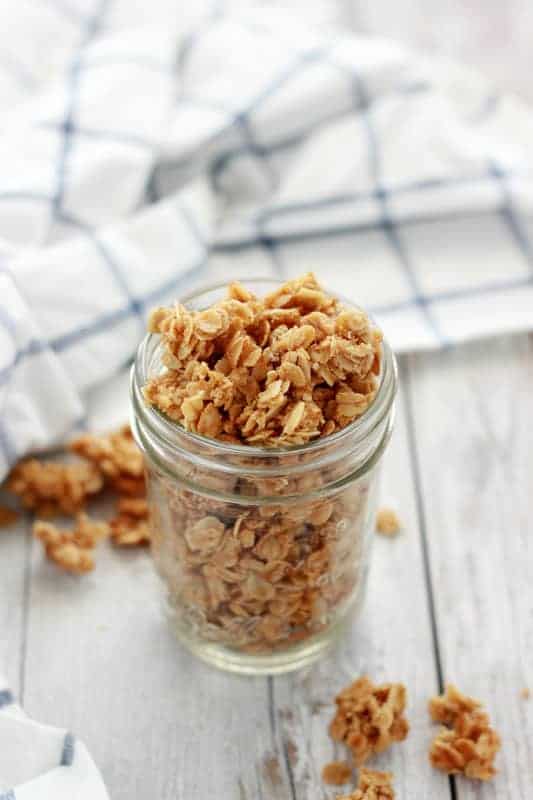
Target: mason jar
263,552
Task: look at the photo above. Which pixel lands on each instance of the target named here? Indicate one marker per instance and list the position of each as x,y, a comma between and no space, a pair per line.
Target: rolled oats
254,580
336,773
372,785
72,550
130,527
50,488
116,458
469,744
252,369
447,707
370,718
7,516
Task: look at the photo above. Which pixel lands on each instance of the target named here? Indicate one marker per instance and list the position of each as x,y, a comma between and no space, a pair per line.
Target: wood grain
474,440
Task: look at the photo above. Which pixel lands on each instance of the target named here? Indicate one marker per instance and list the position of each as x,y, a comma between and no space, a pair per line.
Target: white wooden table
449,600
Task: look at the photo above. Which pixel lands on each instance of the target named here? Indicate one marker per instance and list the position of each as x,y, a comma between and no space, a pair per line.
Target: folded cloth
42,762
141,154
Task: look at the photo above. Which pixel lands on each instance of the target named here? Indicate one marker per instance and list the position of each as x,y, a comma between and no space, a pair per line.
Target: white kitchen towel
42,762
147,147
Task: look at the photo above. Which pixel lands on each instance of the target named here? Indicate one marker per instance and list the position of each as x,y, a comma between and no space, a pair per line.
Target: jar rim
166,429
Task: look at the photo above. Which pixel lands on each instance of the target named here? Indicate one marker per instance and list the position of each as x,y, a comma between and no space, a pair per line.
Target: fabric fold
39,761
235,143
39,404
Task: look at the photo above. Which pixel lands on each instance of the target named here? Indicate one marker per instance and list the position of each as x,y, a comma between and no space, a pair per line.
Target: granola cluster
372,785
129,527
72,550
468,744
370,718
52,488
276,371
7,516
111,462
116,458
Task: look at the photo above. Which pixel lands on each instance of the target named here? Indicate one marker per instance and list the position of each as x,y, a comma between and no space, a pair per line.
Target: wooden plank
472,421
390,641
102,662
14,576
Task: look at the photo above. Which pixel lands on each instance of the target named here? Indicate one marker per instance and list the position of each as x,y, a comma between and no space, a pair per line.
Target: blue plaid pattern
6,698
67,754
255,147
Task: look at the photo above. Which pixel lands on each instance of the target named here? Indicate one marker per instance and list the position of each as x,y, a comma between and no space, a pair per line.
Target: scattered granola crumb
447,707
117,459
275,371
7,516
370,718
336,773
71,549
525,694
469,745
50,488
372,785
388,522
129,527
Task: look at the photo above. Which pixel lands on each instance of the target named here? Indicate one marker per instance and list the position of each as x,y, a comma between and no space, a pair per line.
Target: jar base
277,663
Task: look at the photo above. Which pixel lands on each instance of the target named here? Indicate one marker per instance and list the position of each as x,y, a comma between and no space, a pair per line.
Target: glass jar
264,552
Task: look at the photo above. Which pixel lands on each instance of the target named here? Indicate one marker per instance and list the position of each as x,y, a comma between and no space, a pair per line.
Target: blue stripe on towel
6,698
510,216
67,754
92,26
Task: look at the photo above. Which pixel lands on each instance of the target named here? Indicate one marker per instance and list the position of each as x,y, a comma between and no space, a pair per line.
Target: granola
387,522
7,516
50,488
336,773
129,527
276,371
72,550
469,744
116,458
259,577
372,785
447,707
370,718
